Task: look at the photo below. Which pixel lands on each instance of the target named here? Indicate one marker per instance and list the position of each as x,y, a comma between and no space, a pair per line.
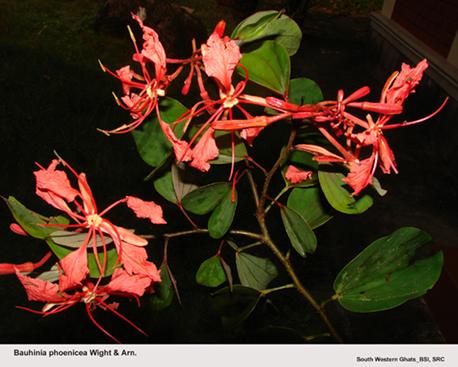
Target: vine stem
267,240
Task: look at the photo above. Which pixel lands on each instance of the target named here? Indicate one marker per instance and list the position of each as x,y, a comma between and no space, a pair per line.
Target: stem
254,189
280,194
265,292
284,260
237,232
251,245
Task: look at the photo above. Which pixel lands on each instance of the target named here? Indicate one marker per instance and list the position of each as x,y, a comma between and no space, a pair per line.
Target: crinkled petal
220,57
152,49
181,148
204,151
86,193
123,282
125,74
134,260
360,174
249,134
55,183
146,209
405,82
387,161
75,269
296,175
40,290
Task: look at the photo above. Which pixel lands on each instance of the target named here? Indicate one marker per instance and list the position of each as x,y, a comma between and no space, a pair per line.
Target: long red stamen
89,313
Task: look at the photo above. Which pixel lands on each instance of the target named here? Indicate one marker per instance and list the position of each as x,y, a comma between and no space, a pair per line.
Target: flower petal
296,175
40,290
360,174
75,269
146,209
123,282
134,260
220,57
53,186
405,82
204,151
180,147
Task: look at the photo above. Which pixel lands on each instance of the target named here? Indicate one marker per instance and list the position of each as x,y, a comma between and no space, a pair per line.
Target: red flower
141,92
55,188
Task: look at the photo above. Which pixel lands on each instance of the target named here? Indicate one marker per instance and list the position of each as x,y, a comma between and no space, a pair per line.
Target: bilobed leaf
268,65
183,181
76,239
304,91
163,295
269,24
299,231
340,199
235,305
223,141
211,272
164,186
33,223
221,219
388,272
307,202
151,143
204,199
255,272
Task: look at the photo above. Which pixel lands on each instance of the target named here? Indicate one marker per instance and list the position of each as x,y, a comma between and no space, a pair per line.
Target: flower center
94,220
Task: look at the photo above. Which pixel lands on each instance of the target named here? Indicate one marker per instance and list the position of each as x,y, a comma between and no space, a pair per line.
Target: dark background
54,96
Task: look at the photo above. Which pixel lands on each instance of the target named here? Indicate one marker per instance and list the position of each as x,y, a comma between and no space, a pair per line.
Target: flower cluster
217,59
72,281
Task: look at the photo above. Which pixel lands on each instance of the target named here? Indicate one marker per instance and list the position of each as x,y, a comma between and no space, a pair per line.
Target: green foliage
389,272
307,202
164,186
304,91
204,199
33,223
211,272
300,233
221,219
223,141
268,65
255,272
235,305
163,295
152,145
339,198
269,24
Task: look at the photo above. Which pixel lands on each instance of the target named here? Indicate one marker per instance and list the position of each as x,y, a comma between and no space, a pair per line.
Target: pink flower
54,187
296,175
204,151
141,92
405,82
220,56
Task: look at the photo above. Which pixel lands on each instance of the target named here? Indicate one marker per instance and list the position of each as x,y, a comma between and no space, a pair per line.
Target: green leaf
151,143
339,198
163,295
304,91
299,231
268,65
269,24
183,181
211,272
307,202
76,239
255,272
221,219
204,199
223,141
112,263
235,305
388,272
33,222
164,186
